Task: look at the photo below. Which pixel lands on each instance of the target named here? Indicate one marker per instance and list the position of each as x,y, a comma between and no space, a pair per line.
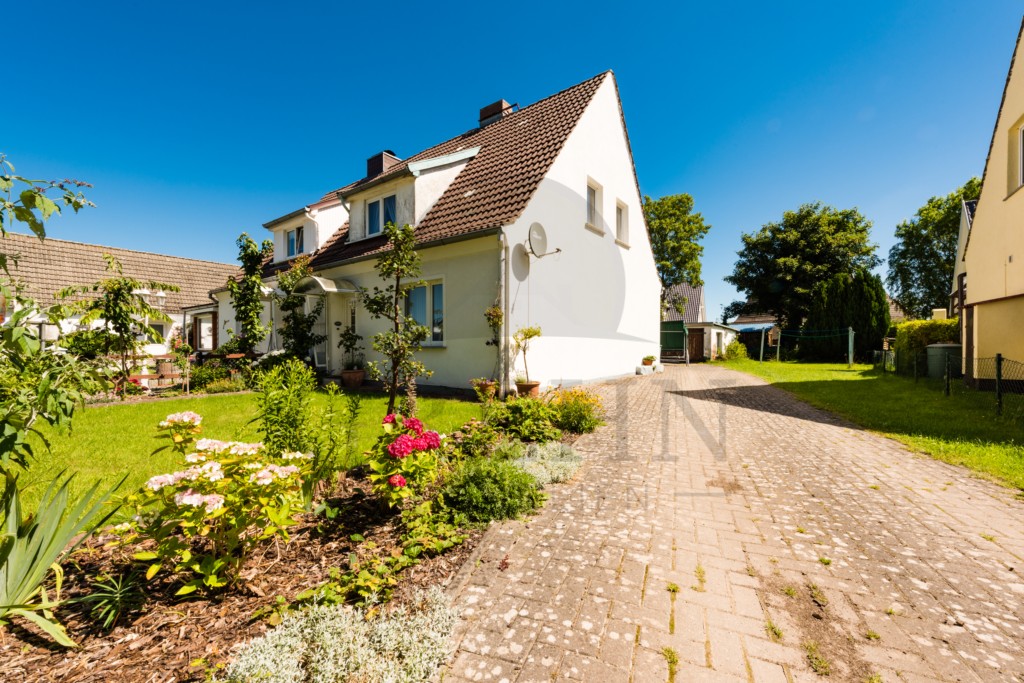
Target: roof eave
483,232
269,225
404,173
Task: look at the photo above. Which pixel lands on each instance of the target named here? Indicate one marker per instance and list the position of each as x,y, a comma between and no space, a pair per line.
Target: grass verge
962,429
106,442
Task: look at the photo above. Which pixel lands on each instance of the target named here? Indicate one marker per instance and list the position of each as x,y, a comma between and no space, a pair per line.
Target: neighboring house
959,289
896,314
689,335
561,167
45,267
993,278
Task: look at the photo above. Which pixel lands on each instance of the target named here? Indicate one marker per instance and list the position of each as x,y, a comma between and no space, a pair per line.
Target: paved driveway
792,538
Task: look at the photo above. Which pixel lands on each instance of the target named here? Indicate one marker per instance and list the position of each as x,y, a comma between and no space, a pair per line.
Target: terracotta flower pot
353,379
487,389
648,361
528,388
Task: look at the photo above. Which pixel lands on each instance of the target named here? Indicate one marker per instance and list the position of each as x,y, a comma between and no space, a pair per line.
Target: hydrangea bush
204,519
404,460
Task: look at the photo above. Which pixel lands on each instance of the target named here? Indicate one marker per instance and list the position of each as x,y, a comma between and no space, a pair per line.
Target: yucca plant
32,547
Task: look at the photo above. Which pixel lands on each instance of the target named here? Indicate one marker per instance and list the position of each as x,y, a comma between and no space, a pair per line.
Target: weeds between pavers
673,590
672,659
701,579
773,631
819,664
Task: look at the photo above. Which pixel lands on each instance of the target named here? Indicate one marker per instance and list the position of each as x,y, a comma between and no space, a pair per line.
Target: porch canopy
323,285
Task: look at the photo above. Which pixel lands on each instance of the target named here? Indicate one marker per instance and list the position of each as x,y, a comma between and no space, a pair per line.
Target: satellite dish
538,239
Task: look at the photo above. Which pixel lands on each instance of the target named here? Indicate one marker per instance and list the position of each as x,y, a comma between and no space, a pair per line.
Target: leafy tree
921,262
398,266
25,201
675,231
781,263
297,326
247,292
841,302
119,302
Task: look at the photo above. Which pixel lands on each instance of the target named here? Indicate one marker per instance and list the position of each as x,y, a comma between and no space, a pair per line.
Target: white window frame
621,223
379,201
300,241
592,221
428,283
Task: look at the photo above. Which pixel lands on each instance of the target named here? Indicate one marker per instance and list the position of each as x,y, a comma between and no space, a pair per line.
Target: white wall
597,301
402,188
318,224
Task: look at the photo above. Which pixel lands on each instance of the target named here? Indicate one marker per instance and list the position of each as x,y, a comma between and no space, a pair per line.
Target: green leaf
151,572
358,538
145,555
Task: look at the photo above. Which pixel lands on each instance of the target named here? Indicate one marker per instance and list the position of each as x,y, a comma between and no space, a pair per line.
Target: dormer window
295,242
379,213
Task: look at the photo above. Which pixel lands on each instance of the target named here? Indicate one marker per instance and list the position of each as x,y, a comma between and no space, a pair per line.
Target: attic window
374,209
295,242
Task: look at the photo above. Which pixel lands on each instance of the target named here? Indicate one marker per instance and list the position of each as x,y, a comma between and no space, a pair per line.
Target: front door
696,345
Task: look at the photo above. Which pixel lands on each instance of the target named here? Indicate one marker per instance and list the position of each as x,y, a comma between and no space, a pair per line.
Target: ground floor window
425,305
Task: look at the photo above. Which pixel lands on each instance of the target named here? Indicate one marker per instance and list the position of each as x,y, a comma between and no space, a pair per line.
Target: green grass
107,442
962,429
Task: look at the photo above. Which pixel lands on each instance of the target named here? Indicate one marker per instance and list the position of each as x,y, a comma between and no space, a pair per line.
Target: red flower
415,425
402,446
397,480
431,439
389,418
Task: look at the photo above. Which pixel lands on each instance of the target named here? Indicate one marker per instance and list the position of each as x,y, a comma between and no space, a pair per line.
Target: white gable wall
597,300
318,225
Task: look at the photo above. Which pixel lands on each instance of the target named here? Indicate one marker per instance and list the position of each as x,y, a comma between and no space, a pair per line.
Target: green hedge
914,335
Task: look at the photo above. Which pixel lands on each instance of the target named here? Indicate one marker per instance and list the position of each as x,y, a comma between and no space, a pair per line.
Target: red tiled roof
516,153
45,267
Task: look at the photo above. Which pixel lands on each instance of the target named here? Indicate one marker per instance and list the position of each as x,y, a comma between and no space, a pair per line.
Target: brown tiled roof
495,186
694,302
46,267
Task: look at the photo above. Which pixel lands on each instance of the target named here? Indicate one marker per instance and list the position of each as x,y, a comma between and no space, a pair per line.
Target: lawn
107,442
962,429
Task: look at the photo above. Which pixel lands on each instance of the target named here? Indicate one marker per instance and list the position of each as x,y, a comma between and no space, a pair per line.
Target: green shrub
914,335
90,344
484,489
508,449
550,463
475,439
225,385
524,418
210,371
736,350
283,411
576,410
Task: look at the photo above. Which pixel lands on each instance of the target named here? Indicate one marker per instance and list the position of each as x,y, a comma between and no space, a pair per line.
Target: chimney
495,112
380,162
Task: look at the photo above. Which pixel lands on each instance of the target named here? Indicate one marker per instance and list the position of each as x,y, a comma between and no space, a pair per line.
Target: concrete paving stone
705,465
767,672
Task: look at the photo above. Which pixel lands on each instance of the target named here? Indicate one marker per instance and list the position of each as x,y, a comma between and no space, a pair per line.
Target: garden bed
171,639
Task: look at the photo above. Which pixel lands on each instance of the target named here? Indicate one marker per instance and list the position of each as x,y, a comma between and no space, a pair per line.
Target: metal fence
1001,377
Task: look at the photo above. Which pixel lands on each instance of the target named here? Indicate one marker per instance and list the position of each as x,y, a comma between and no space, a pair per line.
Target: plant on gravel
404,460
338,644
526,419
819,664
576,410
550,463
203,521
484,489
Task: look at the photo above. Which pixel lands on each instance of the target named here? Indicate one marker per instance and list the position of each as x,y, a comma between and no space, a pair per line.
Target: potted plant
353,372
521,343
485,389
649,360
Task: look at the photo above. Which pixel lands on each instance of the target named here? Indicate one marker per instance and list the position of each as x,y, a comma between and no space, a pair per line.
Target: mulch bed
171,639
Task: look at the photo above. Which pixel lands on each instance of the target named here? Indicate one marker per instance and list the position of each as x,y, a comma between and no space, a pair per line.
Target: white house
559,169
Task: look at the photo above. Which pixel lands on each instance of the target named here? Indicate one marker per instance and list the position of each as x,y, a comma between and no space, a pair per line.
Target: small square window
375,221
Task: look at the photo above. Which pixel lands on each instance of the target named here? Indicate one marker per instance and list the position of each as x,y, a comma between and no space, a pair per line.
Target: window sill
1013,192
433,345
594,229
624,245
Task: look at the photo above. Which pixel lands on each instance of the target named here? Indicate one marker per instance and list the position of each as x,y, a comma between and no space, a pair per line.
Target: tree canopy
921,263
780,264
675,231
844,301
247,292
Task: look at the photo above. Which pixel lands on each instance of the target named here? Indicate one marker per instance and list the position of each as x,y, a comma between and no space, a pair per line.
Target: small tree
675,231
120,302
398,266
247,292
297,329
521,343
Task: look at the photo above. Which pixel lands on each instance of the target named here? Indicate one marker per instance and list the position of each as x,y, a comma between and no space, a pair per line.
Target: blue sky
196,121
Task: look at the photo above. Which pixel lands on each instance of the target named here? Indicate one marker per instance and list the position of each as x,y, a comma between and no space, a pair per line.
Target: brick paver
759,509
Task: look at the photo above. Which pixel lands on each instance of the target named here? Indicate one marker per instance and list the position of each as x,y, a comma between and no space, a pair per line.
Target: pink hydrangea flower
238,448
187,417
212,446
397,480
431,439
389,418
195,499
195,457
402,446
272,472
415,424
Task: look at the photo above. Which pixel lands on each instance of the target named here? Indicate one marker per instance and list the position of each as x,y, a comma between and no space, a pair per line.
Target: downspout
503,293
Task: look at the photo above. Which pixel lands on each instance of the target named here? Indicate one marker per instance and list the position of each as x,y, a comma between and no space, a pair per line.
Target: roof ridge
107,246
